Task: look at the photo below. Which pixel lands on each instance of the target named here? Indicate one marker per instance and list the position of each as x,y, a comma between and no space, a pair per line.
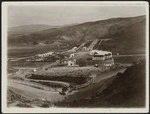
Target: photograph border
4,25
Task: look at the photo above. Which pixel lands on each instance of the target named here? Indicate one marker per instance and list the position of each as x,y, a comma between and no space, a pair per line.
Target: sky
58,15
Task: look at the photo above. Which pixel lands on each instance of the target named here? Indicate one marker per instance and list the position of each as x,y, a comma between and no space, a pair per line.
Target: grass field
127,59
30,51
27,64
73,75
69,71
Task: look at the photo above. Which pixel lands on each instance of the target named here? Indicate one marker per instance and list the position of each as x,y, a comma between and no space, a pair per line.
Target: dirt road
33,93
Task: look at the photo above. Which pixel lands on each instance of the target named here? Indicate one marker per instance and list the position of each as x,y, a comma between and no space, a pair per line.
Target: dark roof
98,55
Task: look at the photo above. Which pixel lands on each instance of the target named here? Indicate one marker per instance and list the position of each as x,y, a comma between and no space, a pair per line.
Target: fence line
49,88
52,82
83,85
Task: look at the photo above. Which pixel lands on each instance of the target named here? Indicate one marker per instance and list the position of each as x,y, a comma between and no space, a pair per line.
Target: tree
35,42
82,62
64,89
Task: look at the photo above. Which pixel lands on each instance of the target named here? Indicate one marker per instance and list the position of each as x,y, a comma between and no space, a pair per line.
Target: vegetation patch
69,71
75,75
76,80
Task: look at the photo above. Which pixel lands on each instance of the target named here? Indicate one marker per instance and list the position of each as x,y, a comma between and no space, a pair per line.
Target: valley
59,66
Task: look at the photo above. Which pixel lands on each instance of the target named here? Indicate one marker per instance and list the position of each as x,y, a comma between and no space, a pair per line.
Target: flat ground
16,52
69,71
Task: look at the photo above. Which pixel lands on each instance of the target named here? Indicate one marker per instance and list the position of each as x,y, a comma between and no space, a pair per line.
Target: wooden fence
52,87
83,85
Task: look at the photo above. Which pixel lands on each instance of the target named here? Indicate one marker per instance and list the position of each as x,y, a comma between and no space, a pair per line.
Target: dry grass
69,71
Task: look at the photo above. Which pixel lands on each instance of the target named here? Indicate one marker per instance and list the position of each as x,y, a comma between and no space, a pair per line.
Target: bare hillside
124,34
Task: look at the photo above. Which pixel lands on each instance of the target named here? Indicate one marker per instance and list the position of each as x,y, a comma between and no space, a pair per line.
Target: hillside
124,34
129,92
27,29
124,90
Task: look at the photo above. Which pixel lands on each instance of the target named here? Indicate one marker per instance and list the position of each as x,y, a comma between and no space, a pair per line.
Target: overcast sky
61,15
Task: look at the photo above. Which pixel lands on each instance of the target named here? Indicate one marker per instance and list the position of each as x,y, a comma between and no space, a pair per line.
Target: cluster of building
69,61
98,58
41,57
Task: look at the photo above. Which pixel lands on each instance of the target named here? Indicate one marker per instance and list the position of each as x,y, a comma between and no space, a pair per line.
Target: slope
27,29
124,34
123,90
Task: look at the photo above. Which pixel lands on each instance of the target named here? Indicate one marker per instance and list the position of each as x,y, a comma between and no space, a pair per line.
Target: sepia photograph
75,57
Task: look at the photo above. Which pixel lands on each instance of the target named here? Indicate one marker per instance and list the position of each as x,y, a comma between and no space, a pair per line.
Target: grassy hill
124,34
129,92
27,29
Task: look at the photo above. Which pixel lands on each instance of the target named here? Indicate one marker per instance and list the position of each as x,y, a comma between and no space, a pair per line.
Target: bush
77,80
64,89
82,62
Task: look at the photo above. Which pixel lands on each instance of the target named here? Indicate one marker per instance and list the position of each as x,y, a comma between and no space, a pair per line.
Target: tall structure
71,62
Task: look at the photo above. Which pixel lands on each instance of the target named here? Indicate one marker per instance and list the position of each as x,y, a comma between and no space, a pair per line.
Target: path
54,82
17,59
34,93
25,68
51,65
80,46
93,44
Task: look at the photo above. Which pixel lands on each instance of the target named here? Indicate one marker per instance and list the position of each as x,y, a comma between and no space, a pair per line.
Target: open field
69,71
128,59
73,75
17,52
27,64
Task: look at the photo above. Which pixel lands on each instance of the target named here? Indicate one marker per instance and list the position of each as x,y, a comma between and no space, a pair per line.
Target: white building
103,57
109,62
84,48
72,55
45,54
72,62
100,52
74,49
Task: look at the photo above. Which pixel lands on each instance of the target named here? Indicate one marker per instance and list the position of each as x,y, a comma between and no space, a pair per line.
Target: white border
4,107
